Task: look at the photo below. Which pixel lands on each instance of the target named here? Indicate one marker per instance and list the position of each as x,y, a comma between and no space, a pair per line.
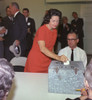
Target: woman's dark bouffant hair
50,13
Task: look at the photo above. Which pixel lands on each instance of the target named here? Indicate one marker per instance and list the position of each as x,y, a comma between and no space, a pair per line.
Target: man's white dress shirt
79,54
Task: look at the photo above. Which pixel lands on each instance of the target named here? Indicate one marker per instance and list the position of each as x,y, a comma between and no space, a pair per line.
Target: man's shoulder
20,15
81,50
73,20
5,18
30,19
64,49
80,19
68,24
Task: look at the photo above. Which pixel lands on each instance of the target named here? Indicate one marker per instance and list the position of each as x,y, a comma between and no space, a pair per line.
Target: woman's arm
50,54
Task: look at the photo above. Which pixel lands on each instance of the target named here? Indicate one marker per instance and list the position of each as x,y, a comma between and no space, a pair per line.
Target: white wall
86,13
36,7
66,9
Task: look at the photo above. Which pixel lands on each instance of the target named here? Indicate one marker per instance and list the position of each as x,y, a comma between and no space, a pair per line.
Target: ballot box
65,78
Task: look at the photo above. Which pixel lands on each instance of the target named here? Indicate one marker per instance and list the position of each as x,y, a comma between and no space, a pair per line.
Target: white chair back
18,61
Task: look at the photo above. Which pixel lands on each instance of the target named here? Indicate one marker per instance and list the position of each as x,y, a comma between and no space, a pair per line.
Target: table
33,86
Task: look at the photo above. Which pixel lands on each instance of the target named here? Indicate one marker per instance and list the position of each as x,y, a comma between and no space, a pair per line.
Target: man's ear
77,40
86,84
6,94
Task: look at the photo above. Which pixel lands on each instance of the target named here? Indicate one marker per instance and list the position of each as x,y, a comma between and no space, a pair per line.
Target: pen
80,89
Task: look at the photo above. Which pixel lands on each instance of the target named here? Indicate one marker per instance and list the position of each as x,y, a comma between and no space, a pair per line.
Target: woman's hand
49,53
63,58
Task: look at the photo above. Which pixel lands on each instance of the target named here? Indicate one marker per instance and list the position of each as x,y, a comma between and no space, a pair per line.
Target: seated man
72,52
6,77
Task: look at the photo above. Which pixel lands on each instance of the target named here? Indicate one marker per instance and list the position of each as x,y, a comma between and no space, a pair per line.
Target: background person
77,27
19,28
31,29
87,91
1,20
63,31
6,78
8,23
41,53
2,31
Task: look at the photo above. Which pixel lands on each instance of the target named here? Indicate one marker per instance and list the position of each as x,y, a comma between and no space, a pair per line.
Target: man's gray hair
6,77
88,74
15,4
75,34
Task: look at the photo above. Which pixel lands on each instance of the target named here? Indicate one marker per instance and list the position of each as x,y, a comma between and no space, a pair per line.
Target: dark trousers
1,49
7,54
29,39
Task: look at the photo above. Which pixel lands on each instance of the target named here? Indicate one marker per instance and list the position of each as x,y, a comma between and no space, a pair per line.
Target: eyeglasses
71,39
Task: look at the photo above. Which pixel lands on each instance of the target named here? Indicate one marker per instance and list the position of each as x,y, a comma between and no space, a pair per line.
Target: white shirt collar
74,48
10,18
16,13
26,19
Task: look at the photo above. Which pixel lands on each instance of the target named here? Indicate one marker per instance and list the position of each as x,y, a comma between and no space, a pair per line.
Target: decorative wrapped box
65,78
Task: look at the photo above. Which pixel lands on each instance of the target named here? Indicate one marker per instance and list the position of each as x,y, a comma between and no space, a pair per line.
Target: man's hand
1,39
74,25
29,30
17,42
83,97
84,92
3,30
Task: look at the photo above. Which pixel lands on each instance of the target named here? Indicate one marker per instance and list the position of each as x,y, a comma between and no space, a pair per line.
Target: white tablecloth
33,86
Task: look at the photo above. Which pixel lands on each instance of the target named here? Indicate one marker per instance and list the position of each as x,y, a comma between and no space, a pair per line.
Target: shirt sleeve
84,59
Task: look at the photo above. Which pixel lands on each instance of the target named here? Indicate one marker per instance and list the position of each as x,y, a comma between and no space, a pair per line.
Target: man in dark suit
30,29
63,30
77,27
19,27
8,23
2,32
1,20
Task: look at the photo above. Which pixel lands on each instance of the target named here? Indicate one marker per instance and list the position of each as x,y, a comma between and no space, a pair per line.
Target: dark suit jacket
31,25
20,31
79,27
7,23
30,35
63,31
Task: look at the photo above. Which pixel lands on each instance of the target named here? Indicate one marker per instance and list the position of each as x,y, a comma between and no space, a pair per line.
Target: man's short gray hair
6,77
88,74
15,4
75,34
